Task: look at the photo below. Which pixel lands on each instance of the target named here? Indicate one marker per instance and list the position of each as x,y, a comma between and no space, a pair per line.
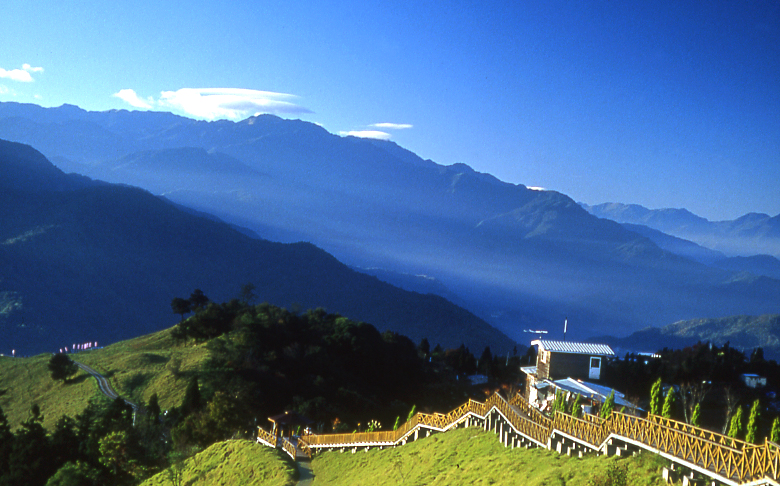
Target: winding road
104,385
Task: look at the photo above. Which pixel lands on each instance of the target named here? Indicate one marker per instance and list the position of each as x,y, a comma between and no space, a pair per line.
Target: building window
595,362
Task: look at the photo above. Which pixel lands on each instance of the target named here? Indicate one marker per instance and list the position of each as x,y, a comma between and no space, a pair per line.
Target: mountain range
516,257
741,332
82,260
748,235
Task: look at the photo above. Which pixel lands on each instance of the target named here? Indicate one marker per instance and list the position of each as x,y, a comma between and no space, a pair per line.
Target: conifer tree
735,428
775,435
411,413
609,404
752,426
153,409
696,416
576,407
191,401
669,403
6,443
655,397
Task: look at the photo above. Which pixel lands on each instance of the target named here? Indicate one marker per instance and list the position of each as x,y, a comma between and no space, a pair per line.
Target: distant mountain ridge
88,261
748,235
518,258
742,332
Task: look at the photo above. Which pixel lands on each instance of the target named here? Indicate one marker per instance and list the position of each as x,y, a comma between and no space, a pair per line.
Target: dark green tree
6,444
247,293
486,361
64,441
609,404
735,427
30,462
75,474
181,306
198,300
669,404
424,348
696,416
192,400
576,407
655,397
752,425
153,409
62,367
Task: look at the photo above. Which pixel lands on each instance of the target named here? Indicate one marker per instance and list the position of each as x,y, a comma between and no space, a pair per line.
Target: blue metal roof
573,348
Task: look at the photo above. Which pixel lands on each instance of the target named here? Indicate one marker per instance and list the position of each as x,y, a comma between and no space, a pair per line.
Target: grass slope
472,456
230,463
136,368
26,381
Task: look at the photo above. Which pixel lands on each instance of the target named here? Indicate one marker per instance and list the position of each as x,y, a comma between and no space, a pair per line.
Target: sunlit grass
136,368
232,462
26,381
155,363
471,456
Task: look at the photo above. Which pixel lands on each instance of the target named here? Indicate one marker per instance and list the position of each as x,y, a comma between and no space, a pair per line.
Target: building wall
565,365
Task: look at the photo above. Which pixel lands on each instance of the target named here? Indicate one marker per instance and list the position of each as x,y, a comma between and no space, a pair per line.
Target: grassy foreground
136,368
231,462
472,456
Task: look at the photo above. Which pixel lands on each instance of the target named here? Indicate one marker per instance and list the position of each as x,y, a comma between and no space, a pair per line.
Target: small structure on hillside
556,360
752,380
285,424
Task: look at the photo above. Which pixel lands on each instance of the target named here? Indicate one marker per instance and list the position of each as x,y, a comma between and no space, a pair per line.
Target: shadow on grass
80,378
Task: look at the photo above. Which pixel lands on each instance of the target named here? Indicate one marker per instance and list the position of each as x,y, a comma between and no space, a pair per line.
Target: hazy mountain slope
678,246
748,235
766,265
103,262
518,257
743,332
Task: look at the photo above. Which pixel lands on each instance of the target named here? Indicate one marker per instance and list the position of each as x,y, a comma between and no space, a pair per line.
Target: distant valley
88,261
517,258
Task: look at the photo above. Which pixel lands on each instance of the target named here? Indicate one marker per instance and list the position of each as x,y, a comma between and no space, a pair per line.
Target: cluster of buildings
572,368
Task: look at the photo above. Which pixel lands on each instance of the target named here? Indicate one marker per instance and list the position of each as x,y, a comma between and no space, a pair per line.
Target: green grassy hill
231,463
472,456
463,456
137,368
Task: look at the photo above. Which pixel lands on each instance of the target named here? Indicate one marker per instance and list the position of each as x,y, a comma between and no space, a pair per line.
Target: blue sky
664,104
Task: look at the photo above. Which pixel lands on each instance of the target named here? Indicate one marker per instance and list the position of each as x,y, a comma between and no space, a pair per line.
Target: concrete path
305,472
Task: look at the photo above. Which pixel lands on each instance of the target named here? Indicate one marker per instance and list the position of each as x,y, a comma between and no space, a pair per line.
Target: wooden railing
289,448
732,459
266,437
304,448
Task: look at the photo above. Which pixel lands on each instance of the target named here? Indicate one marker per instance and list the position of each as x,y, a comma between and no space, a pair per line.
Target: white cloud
536,188
16,75
21,75
366,134
231,103
31,69
130,97
392,126
4,89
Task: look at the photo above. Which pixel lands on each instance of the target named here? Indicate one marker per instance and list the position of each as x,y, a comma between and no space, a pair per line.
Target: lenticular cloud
230,103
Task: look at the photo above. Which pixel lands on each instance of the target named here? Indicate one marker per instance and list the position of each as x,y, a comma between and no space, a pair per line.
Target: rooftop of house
592,391
591,349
